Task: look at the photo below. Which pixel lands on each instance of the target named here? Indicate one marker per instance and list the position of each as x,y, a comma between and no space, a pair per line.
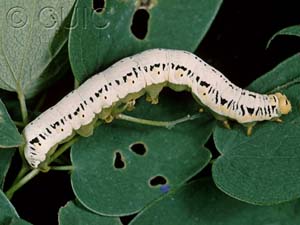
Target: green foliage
33,43
101,38
200,202
292,31
173,154
9,135
264,168
7,211
18,221
112,173
75,214
5,161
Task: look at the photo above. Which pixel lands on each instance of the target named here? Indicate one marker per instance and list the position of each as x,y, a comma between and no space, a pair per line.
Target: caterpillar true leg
278,120
226,124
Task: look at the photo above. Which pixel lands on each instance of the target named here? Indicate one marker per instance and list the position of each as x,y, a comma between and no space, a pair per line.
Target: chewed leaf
9,135
264,168
101,36
127,178
200,202
292,31
76,214
32,43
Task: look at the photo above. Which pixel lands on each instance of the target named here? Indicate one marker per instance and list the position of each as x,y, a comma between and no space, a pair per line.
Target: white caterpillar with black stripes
104,95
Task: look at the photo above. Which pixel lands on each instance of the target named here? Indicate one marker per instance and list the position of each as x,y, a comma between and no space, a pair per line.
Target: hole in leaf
119,161
98,5
138,148
158,180
139,26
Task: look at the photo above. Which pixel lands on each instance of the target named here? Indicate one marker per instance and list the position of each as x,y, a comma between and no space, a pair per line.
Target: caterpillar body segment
110,92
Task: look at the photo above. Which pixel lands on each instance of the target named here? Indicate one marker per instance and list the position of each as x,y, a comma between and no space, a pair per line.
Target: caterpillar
103,95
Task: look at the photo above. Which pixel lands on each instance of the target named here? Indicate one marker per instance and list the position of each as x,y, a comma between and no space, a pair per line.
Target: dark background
235,45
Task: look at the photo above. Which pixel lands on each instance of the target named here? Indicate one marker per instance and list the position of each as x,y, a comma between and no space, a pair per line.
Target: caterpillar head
284,104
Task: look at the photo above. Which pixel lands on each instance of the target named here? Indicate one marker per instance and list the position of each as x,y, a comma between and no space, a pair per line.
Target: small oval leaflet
112,91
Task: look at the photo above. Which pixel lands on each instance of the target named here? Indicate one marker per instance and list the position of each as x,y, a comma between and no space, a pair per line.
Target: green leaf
100,38
200,202
32,43
7,210
74,214
9,135
264,168
170,158
17,221
5,160
293,31
284,75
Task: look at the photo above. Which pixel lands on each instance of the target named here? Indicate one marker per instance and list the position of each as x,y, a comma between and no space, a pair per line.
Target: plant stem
21,179
24,112
61,150
19,124
21,174
62,168
21,182
167,124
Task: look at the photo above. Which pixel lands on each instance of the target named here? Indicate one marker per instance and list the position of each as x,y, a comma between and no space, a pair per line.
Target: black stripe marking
42,136
243,110
205,84
81,105
250,110
34,140
135,73
217,97
47,129
56,124
223,101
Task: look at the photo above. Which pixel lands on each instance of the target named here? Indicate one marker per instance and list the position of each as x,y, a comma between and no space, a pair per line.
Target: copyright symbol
48,17
16,17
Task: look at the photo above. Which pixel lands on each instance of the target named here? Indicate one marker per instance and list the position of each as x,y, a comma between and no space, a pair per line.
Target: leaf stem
61,150
19,124
21,182
24,112
22,179
167,124
62,168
